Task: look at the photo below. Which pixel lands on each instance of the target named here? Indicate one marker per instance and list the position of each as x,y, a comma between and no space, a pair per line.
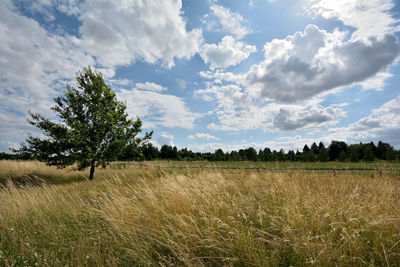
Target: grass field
150,216
267,164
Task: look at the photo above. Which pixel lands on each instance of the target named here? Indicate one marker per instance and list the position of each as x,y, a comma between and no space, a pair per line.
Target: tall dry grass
204,218
34,172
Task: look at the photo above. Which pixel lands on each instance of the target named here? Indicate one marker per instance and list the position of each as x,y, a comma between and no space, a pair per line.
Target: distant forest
336,151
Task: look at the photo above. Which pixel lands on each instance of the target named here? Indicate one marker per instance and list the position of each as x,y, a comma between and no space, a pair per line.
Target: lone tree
94,127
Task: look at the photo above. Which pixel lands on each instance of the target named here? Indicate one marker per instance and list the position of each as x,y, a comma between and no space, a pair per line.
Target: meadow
138,215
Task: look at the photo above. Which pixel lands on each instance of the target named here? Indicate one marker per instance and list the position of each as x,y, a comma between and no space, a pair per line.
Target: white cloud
219,76
35,64
36,61
382,124
151,87
376,82
370,17
316,117
120,82
205,136
238,109
118,33
310,62
229,52
46,7
165,139
156,109
235,109
230,21
316,62
69,7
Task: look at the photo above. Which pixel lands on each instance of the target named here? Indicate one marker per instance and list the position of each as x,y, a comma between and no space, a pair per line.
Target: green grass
269,164
145,216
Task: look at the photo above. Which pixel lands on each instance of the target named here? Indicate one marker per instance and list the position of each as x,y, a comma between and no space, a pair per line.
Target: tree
323,154
166,152
306,148
335,148
320,146
219,155
291,156
385,151
267,155
369,154
342,156
354,154
94,128
315,148
308,156
150,152
251,154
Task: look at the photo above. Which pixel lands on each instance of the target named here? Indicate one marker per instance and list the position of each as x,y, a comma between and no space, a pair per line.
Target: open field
275,165
150,216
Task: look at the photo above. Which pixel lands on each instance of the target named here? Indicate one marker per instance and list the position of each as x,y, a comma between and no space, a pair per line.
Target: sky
212,74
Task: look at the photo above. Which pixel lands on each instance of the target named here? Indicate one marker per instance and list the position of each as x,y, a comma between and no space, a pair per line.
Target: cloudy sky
212,74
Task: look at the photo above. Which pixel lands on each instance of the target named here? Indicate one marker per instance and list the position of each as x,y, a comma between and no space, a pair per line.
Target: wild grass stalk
209,217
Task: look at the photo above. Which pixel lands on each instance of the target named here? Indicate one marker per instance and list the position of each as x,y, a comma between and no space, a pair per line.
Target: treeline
337,150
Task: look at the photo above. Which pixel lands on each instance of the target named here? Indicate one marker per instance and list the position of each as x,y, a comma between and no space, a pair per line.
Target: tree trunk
91,171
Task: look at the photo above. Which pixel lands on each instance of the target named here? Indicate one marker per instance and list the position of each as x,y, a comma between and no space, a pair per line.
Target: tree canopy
93,127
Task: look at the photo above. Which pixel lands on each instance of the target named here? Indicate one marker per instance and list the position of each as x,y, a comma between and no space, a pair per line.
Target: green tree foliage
150,152
320,146
309,156
94,127
369,154
219,155
323,155
342,156
315,148
354,154
336,148
251,154
385,151
291,156
306,148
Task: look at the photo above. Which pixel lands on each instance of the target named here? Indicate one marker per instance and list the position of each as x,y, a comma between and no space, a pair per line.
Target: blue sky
212,74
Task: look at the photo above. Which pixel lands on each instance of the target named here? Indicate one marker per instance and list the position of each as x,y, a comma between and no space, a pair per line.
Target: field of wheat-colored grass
196,217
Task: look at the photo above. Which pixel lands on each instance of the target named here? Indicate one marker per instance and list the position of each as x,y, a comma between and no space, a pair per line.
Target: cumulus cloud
310,62
155,109
151,87
37,61
218,76
382,124
229,52
316,116
205,136
35,64
118,33
165,139
230,21
238,109
376,82
47,7
369,18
